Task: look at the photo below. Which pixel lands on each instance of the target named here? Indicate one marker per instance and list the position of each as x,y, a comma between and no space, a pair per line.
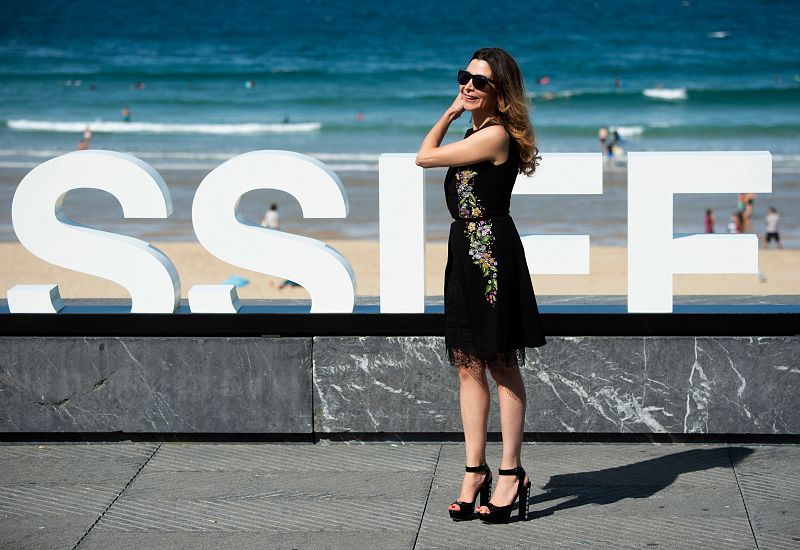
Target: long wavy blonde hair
512,105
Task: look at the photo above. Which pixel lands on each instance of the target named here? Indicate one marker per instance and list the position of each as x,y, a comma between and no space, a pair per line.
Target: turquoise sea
347,80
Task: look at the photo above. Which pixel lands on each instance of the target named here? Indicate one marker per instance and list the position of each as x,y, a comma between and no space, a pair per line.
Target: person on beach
709,220
748,210
736,225
615,149
86,139
772,228
744,205
732,224
271,218
605,147
491,314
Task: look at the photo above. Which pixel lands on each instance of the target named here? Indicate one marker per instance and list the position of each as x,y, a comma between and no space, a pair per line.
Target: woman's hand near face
457,107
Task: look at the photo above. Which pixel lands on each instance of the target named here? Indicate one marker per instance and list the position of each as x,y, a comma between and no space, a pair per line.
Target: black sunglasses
478,80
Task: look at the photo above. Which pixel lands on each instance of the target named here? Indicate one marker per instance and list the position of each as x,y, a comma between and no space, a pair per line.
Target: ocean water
347,80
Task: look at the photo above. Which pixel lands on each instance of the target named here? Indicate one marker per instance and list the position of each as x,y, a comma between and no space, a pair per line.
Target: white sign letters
654,254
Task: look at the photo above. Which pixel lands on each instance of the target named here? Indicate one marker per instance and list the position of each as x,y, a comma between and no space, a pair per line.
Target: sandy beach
608,272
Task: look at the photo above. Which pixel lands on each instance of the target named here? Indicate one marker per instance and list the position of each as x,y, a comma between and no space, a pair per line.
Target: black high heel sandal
466,510
501,514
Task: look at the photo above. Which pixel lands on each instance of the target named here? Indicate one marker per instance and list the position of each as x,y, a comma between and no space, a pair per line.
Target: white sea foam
369,157
14,164
786,158
355,167
43,153
786,164
628,131
719,34
165,164
669,94
558,94
161,128
193,155
661,124
351,167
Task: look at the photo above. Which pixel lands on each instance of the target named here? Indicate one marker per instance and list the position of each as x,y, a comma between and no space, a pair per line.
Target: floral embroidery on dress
468,206
479,233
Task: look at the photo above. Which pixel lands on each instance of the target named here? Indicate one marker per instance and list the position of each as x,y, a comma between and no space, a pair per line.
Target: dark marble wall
589,384
392,384
214,385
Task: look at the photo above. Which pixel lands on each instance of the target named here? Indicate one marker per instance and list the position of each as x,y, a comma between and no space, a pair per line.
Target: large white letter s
43,228
223,231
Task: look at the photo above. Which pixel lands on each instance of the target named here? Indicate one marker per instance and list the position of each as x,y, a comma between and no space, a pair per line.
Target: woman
491,314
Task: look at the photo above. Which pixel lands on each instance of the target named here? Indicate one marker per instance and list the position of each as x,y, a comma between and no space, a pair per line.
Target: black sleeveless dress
489,304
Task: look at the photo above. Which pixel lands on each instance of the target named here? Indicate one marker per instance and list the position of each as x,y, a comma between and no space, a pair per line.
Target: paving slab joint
116,497
427,497
741,494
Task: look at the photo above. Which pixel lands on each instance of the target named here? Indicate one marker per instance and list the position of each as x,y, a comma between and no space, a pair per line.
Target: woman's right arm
488,144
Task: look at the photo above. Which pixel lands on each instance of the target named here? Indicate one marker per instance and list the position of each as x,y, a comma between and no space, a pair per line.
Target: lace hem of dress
460,340
466,357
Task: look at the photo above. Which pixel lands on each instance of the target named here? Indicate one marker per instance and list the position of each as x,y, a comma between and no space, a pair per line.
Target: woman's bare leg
511,394
474,399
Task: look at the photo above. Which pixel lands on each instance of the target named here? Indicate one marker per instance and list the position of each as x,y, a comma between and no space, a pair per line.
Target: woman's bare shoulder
496,128
494,132
501,138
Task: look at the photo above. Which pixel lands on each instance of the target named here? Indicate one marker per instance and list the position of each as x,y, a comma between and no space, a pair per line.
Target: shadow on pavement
638,480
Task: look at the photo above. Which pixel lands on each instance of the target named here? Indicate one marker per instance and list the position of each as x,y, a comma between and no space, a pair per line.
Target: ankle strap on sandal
476,469
518,471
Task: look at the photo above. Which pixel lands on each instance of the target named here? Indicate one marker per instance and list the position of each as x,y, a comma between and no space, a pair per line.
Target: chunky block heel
486,490
501,514
466,510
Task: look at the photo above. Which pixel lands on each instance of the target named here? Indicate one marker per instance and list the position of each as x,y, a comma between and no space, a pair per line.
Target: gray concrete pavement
199,495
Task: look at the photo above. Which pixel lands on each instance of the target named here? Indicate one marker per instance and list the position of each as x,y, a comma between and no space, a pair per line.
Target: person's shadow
638,480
